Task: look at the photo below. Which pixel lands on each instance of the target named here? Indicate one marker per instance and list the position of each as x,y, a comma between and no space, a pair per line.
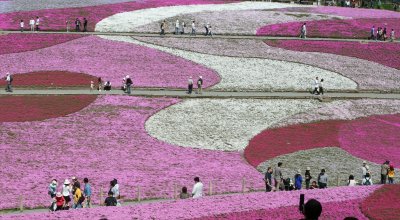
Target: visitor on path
312,210
66,192
321,87
316,86
78,196
322,180
53,188
352,182
68,25
115,190
99,84
372,34
384,32
91,85
206,27
60,202
37,23
32,24
298,181
85,22
210,33
314,185
177,27
367,181
21,25
391,174
107,86
190,85
193,29
268,180
74,181
123,86
129,84
364,169
307,177
110,200
77,25
200,85
87,192
162,27
183,28
197,191
184,194
303,31
384,172
278,176
392,38
9,80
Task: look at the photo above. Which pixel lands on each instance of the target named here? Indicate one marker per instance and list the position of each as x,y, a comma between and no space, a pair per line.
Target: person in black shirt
268,180
110,200
85,24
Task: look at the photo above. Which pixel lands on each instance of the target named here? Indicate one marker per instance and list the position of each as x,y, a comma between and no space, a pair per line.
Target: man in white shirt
177,27
197,191
303,31
365,169
9,80
21,25
316,86
32,24
193,29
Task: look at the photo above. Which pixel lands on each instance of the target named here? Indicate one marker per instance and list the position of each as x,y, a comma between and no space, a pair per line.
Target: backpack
367,182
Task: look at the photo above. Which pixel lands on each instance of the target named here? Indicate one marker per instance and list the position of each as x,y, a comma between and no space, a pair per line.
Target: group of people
78,25
274,180
70,192
180,28
34,24
381,34
126,85
318,86
197,191
199,85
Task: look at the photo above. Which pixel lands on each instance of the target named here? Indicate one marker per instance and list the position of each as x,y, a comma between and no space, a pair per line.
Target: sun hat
58,195
298,171
73,178
66,182
201,77
308,168
364,162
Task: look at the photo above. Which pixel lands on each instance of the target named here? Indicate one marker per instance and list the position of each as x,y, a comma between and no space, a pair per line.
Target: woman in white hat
60,202
66,192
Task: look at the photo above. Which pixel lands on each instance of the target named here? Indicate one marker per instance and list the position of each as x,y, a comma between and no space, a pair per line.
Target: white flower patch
246,74
220,124
127,21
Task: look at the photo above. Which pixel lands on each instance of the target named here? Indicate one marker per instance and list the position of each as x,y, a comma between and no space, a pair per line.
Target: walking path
207,94
224,36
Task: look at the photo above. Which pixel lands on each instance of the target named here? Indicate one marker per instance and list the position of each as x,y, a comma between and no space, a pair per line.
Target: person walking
278,176
322,180
200,85
183,28
321,87
9,80
392,38
316,86
21,25
115,190
128,84
77,25
197,191
37,23
67,23
206,27
85,22
162,27
193,29
87,192
391,174
303,31
66,192
78,197
307,177
372,37
210,33
53,188
384,172
32,24
268,180
298,181
99,84
364,169
190,85
177,27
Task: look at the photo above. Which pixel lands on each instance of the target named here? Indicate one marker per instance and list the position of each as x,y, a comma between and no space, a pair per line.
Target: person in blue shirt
298,180
87,191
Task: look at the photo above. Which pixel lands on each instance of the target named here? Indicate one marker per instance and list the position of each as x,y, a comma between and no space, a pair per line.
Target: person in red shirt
60,201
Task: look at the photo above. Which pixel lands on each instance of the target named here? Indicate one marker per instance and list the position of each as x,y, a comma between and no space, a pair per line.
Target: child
314,185
391,174
184,194
110,200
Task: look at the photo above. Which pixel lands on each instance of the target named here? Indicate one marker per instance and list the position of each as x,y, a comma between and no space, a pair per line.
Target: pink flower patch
383,53
384,203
